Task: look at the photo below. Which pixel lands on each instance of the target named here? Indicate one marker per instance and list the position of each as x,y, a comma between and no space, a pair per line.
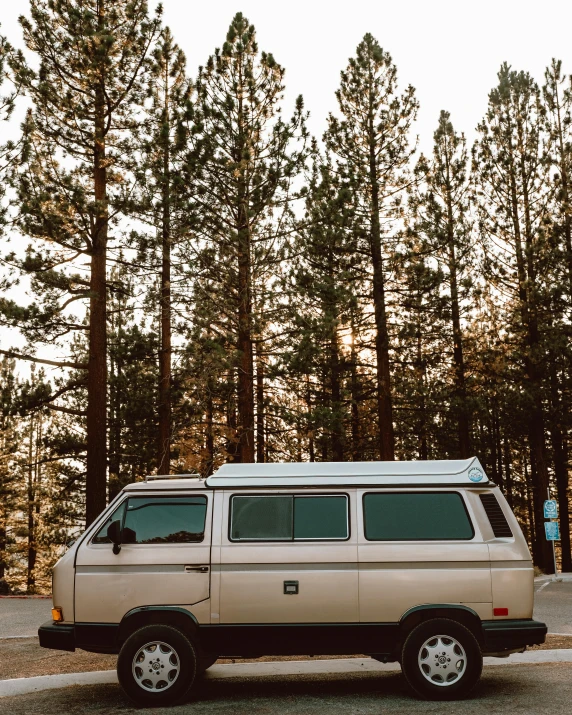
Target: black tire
422,667
176,661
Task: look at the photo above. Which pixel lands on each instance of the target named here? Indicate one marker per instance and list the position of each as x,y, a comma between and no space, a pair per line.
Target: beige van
417,562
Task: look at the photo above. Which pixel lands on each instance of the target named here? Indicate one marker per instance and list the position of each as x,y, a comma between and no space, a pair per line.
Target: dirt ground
23,658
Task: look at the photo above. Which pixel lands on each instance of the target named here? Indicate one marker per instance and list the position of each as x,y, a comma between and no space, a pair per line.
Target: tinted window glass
283,518
321,517
267,518
409,516
156,520
101,536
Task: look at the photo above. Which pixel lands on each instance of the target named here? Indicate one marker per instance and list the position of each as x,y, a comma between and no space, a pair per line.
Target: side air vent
496,516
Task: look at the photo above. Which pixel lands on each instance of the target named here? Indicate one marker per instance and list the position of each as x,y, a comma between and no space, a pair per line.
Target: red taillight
500,611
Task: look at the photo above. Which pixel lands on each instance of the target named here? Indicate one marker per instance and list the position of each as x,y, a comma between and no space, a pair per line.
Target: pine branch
55,363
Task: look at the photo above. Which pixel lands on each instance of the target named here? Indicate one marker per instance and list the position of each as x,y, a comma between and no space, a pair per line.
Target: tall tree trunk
245,364
508,473
164,455
245,393
420,376
97,363
116,368
563,165
384,402
560,452
311,444
260,435
209,434
337,437
232,446
31,494
3,541
560,467
536,432
3,509
355,390
530,508
460,388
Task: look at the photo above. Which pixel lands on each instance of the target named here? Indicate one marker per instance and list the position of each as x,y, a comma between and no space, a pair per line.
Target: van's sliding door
289,558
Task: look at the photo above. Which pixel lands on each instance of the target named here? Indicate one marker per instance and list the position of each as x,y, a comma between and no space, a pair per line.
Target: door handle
196,569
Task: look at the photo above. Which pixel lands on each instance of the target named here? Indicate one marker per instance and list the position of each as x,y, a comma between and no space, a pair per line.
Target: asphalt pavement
553,605
509,689
23,616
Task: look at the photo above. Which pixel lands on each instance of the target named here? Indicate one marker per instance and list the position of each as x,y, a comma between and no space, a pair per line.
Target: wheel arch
456,612
158,615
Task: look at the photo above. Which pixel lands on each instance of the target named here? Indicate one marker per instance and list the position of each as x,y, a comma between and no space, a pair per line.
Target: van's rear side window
289,518
416,516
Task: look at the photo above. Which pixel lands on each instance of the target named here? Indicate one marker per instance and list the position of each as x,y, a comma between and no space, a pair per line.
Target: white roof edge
339,473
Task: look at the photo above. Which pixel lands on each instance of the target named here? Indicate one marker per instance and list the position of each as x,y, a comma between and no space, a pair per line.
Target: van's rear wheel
157,666
441,660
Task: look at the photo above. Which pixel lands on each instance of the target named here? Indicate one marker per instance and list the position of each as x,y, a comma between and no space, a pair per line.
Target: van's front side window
101,536
158,520
411,516
289,518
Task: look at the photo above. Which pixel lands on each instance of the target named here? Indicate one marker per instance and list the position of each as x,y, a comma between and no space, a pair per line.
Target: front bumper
59,636
512,635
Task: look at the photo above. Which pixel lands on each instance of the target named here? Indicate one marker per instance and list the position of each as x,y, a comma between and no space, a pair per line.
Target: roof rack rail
153,477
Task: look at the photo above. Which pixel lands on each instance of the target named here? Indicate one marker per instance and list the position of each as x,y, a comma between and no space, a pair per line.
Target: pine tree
133,378
372,143
321,302
85,96
419,347
243,164
164,204
510,173
441,208
9,440
10,88
557,92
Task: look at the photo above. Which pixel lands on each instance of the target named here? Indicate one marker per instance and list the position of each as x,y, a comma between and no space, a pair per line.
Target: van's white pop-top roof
296,474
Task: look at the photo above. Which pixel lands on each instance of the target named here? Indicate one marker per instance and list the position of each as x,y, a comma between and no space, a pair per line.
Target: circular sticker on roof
475,474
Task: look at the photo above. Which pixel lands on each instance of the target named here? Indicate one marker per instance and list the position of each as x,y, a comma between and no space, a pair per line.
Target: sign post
551,528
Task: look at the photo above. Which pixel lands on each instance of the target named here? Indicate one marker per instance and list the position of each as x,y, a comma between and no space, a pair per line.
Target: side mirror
114,535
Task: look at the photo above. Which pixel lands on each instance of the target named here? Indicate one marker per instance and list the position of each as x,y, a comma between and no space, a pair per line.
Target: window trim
100,526
156,496
417,491
294,495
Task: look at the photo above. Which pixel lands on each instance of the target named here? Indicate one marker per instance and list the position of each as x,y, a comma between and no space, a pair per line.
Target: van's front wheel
157,666
441,660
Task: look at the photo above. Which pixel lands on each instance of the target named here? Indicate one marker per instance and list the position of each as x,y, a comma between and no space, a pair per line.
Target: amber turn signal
57,614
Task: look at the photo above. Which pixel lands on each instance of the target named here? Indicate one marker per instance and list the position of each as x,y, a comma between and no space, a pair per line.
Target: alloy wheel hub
442,660
156,666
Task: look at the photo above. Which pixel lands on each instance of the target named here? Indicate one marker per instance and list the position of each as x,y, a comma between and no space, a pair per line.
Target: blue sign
552,530
550,509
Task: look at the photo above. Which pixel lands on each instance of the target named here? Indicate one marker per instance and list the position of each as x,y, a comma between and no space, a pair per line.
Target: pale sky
449,50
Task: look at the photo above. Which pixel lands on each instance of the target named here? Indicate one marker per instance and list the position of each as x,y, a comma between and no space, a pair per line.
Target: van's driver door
164,560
